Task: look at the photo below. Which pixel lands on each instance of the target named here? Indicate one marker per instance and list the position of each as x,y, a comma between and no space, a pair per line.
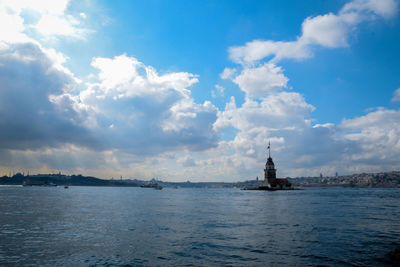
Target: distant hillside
382,179
60,179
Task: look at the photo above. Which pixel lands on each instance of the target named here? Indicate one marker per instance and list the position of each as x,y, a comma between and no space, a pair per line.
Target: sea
121,226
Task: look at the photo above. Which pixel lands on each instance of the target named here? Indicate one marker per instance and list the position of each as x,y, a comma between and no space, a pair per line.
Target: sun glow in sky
194,90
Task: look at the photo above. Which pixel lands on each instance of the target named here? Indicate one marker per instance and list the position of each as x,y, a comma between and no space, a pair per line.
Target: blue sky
194,90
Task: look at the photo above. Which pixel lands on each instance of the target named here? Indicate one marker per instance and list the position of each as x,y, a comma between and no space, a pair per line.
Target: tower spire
269,149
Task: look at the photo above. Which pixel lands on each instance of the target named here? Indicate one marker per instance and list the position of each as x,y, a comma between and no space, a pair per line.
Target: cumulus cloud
329,30
326,30
396,96
126,115
37,122
281,110
128,111
42,6
219,91
132,119
269,112
50,25
53,19
282,119
378,135
150,113
228,73
261,81
256,50
15,28
361,144
28,77
384,8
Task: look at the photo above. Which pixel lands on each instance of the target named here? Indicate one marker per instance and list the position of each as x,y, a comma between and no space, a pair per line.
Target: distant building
270,179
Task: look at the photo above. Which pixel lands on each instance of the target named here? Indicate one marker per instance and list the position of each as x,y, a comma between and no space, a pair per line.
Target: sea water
89,226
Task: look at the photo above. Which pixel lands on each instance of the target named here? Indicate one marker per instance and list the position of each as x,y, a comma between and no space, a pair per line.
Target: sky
195,90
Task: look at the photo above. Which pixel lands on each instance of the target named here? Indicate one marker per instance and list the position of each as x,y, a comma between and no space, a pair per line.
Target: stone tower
270,171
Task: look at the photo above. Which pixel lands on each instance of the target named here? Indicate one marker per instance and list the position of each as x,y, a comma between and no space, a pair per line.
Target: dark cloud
38,111
28,120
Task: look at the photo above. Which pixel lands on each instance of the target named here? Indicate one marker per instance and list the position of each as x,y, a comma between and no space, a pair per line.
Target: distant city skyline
196,90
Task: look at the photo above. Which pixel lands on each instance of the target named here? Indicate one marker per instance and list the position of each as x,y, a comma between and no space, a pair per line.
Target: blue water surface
110,226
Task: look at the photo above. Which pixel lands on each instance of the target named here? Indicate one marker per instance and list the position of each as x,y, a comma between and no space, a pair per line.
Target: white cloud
132,119
15,27
256,50
270,113
366,143
219,91
277,111
154,112
115,72
378,136
361,144
261,81
329,30
43,6
384,8
298,147
120,77
228,73
53,19
50,25
396,95
128,113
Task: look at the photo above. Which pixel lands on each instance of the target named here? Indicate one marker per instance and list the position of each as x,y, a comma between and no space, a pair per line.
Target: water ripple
89,226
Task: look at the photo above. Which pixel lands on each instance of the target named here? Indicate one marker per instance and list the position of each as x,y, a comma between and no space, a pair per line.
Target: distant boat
65,186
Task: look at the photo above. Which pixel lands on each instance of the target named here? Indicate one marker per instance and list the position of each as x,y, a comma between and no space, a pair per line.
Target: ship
152,185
